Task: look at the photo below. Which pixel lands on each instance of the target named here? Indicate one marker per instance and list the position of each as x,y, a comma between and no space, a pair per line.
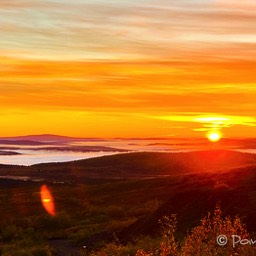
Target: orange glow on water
47,200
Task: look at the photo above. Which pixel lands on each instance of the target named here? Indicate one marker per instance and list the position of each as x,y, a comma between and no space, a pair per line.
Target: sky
126,68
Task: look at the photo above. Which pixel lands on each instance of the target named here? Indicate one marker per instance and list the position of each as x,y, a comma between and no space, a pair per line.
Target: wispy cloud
149,86
126,29
211,122
130,57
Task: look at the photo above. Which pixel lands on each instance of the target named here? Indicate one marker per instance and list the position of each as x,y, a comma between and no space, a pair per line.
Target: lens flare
47,200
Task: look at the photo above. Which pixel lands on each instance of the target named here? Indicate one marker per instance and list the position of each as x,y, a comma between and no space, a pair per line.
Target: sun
214,136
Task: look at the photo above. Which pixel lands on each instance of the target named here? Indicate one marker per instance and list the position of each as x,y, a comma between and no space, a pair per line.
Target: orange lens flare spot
47,200
214,136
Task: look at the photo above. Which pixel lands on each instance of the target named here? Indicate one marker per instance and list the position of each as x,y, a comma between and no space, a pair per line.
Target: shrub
168,246
202,240
10,233
14,250
115,250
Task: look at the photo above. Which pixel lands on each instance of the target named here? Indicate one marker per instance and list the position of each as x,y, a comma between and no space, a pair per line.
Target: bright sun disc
214,136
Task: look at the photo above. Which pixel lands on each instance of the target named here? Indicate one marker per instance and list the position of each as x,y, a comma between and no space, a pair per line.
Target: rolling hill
146,165
127,194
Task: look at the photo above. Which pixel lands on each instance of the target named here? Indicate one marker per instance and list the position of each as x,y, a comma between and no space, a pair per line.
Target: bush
14,250
202,240
115,250
10,233
168,246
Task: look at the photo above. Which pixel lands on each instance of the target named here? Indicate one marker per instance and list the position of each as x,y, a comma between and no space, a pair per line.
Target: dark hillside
150,164
234,191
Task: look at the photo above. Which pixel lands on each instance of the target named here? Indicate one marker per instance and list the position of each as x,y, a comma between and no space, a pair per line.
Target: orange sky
128,68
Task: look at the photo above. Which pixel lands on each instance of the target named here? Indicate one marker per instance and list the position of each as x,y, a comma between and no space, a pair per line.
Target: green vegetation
114,214
83,211
201,241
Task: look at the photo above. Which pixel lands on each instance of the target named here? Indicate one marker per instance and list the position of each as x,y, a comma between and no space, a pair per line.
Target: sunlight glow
113,71
214,136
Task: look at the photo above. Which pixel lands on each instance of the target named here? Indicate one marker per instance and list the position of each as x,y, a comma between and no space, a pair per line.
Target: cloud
237,4
150,57
210,121
149,86
126,30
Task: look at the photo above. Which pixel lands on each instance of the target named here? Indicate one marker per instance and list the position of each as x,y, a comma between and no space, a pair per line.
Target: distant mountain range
51,139
21,142
46,138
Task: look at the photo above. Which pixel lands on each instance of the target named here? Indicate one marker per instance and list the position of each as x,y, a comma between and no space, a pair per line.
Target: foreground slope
127,194
195,195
